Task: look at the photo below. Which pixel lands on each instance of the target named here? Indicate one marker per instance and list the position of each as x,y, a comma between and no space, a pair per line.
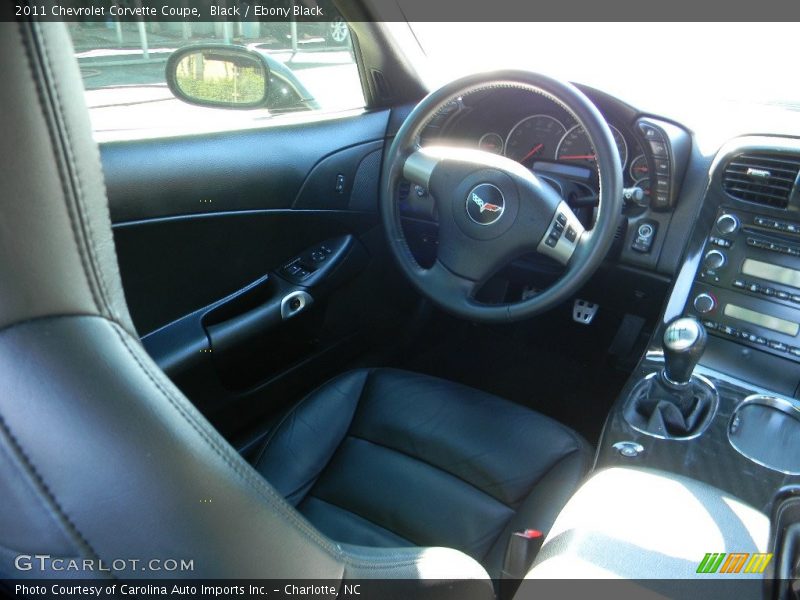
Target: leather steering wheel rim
457,177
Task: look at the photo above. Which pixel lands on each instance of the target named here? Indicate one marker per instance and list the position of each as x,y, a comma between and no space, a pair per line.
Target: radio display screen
773,273
762,320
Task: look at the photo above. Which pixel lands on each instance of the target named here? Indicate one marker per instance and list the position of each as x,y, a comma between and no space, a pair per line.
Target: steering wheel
492,210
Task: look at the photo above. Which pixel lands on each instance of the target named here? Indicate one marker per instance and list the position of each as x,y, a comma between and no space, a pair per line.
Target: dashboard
540,134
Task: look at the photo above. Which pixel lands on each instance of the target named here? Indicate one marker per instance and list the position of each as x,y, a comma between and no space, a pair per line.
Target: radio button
764,222
704,303
738,283
794,351
727,223
721,242
781,295
714,259
779,346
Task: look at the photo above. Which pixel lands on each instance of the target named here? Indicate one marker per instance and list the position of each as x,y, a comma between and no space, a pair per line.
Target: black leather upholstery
386,458
101,456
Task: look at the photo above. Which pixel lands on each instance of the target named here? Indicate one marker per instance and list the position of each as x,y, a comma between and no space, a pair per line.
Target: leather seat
390,458
102,458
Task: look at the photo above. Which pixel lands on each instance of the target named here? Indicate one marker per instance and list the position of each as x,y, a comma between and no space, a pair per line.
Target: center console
740,281
748,285
715,398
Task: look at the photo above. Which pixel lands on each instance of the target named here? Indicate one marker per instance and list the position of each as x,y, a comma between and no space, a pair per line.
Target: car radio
747,286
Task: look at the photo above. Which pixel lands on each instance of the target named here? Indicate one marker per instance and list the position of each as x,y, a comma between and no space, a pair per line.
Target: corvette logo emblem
484,206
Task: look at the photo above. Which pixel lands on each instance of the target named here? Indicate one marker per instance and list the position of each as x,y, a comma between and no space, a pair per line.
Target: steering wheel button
561,218
571,234
551,241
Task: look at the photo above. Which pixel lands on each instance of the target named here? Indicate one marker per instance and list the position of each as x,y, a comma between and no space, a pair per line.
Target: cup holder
766,430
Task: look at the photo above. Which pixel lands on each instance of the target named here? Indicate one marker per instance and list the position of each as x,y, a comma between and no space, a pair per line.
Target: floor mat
551,364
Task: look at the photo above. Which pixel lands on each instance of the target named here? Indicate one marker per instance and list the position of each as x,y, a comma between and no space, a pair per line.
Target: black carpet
551,364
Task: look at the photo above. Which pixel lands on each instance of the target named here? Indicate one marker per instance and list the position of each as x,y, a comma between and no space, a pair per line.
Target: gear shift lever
684,342
672,403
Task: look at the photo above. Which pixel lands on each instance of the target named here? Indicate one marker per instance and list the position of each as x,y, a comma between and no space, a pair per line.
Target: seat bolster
302,444
543,504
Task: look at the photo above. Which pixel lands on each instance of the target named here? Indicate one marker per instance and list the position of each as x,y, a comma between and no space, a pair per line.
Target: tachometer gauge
491,142
534,138
575,146
639,168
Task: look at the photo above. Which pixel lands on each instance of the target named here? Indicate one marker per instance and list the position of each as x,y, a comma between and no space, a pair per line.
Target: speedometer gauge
534,138
575,146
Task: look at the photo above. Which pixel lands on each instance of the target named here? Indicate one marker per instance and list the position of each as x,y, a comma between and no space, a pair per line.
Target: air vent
762,177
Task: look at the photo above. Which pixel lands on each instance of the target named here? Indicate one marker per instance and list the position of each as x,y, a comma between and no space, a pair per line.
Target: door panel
239,170
216,234
172,267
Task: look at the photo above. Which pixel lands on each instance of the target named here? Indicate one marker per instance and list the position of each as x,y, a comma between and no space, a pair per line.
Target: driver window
123,69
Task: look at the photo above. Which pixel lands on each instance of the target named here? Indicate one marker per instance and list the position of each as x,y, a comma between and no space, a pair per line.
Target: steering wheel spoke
418,167
563,235
444,283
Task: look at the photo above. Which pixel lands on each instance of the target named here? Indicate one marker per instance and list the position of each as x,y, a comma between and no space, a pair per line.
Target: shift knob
684,342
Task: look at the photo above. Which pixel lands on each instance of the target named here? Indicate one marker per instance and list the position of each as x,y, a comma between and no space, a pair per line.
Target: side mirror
219,76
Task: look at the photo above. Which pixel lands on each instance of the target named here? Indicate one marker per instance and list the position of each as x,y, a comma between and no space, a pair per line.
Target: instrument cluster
546,137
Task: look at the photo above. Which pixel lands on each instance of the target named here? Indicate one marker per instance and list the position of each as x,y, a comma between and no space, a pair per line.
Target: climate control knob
727,223
704,303
714,259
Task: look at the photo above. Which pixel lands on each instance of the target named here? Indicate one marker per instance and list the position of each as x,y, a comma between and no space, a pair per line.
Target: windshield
660,67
